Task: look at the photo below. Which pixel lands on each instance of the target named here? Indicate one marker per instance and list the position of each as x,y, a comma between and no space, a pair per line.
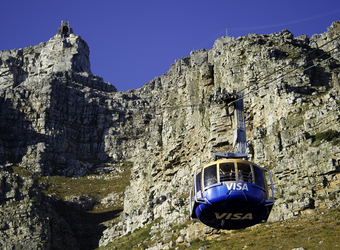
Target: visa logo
237,186
232,216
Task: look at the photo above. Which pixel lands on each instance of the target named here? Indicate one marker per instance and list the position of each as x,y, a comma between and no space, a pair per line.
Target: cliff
57,118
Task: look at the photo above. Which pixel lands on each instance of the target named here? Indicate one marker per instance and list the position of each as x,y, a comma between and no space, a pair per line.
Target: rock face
26,220
49,108
58,118
291,89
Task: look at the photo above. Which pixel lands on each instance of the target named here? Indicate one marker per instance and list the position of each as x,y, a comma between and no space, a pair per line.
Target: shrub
33,200
328,135
332,197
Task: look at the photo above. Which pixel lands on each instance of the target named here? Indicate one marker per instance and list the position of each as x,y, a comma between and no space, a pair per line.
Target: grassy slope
96,188
87,226
318,231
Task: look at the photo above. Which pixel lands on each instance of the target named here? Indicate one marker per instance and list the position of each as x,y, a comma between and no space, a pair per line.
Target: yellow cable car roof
229,160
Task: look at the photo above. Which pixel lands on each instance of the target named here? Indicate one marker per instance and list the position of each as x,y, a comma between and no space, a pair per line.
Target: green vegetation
33,200
317,231
21,171
139,239
95,186
298,123
332,197
329,135
298,232
293,55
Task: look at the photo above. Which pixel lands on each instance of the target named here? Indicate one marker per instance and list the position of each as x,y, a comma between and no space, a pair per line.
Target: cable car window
227,172
244,172
198,182
266,181
259,177
210,175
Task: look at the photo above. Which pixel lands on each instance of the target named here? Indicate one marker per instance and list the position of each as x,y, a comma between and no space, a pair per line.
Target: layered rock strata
59,118
291,89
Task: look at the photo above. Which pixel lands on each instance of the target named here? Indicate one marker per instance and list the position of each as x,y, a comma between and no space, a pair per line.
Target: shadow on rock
87,227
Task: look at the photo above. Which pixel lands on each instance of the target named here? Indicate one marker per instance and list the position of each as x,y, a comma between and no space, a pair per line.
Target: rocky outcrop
52,99
27,221
291,89
58,118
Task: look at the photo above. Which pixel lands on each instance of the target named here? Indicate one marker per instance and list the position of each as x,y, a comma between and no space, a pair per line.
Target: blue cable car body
232,193
235,202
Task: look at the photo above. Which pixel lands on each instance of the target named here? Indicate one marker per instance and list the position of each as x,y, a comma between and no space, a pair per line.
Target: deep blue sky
133,41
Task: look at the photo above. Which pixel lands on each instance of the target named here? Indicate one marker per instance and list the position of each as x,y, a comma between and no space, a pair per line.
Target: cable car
231,193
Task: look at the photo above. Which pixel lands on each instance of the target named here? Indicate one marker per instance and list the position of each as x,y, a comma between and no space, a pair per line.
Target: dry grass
97,188
319,231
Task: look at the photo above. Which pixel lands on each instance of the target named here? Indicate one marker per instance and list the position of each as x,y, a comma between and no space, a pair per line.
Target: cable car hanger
213,102
231,192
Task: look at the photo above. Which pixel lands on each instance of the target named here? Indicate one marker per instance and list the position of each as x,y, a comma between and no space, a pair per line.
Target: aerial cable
209,104
267,83
287,65
281,68
286,73
282,76
322,61
225,30
285,24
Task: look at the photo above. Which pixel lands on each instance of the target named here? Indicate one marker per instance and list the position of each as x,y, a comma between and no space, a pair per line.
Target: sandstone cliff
291,88
58,118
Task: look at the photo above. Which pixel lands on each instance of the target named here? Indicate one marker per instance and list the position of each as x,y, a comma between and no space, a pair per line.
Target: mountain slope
57,118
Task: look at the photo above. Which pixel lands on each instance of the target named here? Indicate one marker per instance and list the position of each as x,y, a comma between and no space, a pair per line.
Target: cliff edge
58,119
